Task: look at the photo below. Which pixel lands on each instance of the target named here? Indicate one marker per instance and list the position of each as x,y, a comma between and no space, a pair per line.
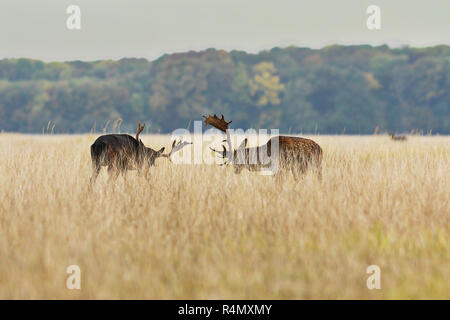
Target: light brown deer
297,154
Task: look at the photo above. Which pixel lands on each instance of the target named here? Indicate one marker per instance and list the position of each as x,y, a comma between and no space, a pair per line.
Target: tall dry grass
201,231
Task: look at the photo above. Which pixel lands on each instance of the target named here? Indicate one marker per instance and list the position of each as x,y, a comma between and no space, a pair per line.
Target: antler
223,153
220,124
176,147
226,153
139,130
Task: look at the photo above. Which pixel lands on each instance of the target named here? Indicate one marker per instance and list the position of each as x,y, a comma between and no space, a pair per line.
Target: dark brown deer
122,152
297,154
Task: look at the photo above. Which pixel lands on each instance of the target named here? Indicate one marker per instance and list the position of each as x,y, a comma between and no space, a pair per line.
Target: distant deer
396,137
297,154
122,152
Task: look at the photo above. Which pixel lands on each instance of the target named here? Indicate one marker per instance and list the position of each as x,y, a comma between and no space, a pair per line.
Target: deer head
222,125
238,157
148,154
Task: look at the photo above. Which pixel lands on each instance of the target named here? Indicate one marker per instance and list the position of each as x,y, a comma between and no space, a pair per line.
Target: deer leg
123,167
144,173
280,175
95,171
113,172
277,177
94,176
124,175
318,170
295,172
124,171
319,166
299,168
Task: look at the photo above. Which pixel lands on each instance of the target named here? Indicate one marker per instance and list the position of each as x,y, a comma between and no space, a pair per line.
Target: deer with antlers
297,154
122,152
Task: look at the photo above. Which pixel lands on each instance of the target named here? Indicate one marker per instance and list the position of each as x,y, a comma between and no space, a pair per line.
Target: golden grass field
200,231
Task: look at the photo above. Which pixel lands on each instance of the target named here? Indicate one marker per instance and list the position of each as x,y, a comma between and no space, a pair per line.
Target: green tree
265,86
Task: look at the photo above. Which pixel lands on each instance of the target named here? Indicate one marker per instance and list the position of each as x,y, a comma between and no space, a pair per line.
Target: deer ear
243,144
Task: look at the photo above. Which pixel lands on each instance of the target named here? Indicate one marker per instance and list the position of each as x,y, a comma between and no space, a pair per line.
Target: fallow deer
122,152
396,137
297,154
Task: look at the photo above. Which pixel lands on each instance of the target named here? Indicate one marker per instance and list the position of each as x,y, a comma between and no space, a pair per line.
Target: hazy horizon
113,29
220,49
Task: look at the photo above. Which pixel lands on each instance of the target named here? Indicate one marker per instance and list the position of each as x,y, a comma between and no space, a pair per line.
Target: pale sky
113,29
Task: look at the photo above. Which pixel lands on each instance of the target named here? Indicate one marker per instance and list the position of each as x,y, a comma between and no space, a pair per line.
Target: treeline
337,89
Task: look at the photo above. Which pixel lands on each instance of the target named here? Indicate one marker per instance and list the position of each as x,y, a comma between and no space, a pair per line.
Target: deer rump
118,151
300,151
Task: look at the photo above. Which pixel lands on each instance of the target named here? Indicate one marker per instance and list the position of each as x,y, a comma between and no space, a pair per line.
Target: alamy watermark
73,21
374,20
73,281
374,281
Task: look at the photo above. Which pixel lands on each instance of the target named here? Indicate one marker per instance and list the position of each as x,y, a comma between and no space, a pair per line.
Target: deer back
289,148
297,147
113,147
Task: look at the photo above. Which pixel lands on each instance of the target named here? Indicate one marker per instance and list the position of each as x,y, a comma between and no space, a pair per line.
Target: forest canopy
336,89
